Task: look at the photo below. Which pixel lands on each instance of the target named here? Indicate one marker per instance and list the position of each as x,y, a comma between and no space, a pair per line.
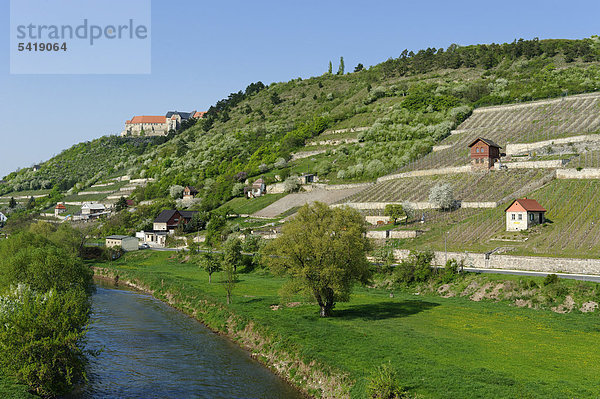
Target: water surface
153,351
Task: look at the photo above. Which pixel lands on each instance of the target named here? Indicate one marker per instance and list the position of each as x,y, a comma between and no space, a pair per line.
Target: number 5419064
42,46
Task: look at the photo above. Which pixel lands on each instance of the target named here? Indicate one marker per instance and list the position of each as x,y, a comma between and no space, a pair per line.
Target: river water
153,351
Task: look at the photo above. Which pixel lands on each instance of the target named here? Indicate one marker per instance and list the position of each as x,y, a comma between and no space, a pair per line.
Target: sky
202,51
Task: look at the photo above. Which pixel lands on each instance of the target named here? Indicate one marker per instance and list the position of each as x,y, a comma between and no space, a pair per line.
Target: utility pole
445,248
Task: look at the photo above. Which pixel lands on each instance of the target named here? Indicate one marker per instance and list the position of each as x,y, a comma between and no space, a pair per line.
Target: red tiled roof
525,205
487,141
148,119
60,206
199,115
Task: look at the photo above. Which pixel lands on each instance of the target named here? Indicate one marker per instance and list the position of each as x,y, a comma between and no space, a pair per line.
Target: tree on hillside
232,252
323,251
31,203
330,69
394,211
342,67
121,204
359,67
442,196
409,211
210,262
12,203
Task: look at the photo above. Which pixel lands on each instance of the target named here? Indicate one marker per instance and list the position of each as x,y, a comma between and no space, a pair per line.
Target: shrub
416,268
442,196
291,184
551,279
384,384
41,336
451,270
176,191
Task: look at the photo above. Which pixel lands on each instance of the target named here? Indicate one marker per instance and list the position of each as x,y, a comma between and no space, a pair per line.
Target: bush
451,270
551,279
417,268
291,184
384,384
41,336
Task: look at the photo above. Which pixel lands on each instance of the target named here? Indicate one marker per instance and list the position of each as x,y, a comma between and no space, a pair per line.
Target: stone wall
585,173
513,262
332,142
415,205
277,188
382,235
552,164
306,154
520,148
375,219
427,172
441,147
349,130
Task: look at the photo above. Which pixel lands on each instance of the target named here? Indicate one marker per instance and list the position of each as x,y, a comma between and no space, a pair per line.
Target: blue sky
202,51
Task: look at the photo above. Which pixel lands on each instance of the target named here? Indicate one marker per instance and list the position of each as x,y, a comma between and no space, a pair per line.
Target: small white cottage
524,213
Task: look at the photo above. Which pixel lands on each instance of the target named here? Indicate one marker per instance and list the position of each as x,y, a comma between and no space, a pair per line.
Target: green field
573,229
442,348
247,206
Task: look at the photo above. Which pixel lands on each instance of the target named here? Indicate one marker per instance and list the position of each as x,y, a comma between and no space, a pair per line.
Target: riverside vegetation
44,310
430,346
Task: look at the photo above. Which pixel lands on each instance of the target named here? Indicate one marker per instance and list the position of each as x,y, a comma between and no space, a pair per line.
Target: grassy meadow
10,389
442,348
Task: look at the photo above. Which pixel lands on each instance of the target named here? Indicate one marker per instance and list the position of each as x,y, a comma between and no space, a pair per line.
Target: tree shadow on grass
384,310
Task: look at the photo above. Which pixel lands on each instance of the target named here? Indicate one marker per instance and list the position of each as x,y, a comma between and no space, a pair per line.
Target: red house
483,153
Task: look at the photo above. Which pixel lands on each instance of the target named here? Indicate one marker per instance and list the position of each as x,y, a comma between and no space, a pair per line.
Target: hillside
404,107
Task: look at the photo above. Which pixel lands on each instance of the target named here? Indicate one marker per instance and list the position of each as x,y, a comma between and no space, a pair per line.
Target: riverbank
308,378
441,347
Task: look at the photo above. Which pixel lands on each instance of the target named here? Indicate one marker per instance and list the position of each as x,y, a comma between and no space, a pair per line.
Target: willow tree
323,252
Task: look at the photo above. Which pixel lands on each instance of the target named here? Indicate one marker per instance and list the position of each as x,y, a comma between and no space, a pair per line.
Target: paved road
583,277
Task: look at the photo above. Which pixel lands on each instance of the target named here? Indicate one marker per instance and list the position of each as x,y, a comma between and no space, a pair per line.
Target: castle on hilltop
152,125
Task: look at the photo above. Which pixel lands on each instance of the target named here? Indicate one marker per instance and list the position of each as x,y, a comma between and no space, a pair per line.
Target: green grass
10,389
443,348
247,206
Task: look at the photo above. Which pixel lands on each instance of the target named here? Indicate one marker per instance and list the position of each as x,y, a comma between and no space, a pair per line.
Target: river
151,350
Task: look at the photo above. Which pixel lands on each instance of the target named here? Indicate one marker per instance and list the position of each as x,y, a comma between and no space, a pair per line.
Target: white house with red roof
524,213
59,208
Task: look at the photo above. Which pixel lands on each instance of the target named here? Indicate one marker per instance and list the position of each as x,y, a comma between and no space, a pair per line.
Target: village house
36,168
3,218
257,189
92,208
308,178
484,153
524,213
164,224
59,208
189,192
126,243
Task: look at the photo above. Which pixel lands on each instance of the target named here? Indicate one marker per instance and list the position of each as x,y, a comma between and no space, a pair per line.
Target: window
531,217
520,217
477,149
514,216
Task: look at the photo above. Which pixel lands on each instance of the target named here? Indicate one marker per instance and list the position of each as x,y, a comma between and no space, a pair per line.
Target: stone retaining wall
349,130
382,235
585,173
513,262
441,147
518,148
415,205
427,172
306,154
552,164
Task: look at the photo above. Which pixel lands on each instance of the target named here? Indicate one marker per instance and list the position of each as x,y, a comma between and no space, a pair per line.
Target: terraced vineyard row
565,117
492,186
573,229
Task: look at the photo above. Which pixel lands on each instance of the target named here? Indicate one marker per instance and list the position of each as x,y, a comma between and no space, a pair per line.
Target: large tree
323,252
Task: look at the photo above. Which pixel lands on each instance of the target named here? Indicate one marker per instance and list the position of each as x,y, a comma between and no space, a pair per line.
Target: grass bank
9,388
441,347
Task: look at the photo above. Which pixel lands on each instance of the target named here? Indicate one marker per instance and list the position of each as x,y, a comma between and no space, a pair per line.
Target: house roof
117,237
487,141
147,119
187,214
60,206
199,115
165,216
192,189
258,182
525,205
94,206
184,115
